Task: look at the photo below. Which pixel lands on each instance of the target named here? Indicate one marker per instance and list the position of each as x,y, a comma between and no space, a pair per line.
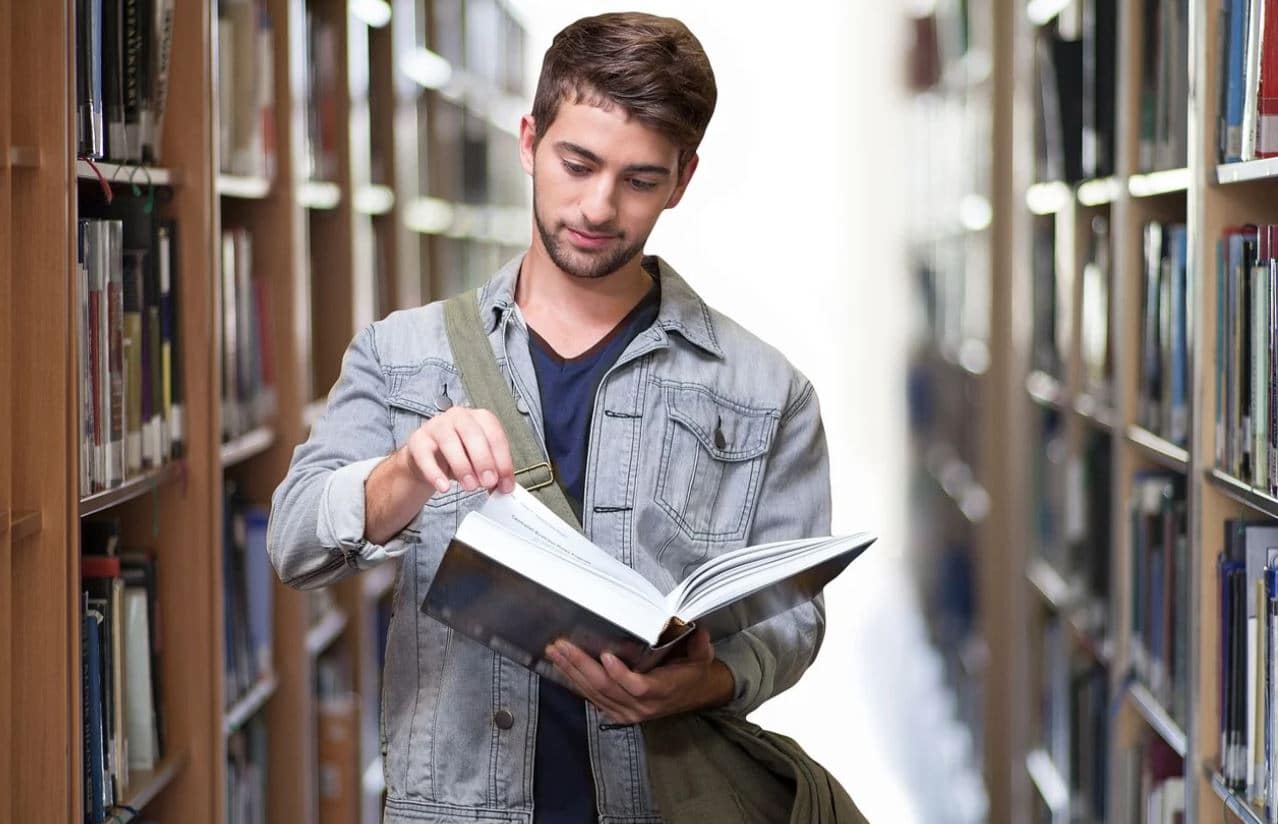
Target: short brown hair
653,67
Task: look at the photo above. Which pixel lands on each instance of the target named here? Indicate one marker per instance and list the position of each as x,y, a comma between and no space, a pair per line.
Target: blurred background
1022,248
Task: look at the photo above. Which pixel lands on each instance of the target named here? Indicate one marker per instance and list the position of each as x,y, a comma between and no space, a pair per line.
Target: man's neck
572,313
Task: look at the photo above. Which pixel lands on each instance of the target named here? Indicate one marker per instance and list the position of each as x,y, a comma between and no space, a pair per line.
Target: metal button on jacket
444,403
504,719
522,406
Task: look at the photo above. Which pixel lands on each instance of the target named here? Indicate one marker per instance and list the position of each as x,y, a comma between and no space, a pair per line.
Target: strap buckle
550,475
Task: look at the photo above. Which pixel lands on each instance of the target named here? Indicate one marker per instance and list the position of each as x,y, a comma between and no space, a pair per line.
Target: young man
676,434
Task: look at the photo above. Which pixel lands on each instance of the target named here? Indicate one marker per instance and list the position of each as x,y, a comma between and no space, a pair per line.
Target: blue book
1179,377
94,763
1234,87
259,579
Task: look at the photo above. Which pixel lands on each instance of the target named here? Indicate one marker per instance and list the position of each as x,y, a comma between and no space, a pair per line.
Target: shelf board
1151,184
1248,171
378,581
1157,717
1093,411
1100,191
123,174
372,13
1050,585
957,480
246,446
24,157
1048,198
145,785
151,479
249,704
1047,781
321,636
374,199
313,411
246,188
1160,450
1045,390
1243,492
320,195
1244,811
25,524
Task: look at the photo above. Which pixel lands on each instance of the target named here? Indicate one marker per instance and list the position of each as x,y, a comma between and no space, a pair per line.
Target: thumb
700,648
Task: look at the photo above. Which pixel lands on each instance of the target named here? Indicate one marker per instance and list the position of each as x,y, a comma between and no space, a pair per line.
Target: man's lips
588,240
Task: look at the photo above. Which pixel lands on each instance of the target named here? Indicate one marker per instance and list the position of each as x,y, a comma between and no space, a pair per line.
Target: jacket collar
682,310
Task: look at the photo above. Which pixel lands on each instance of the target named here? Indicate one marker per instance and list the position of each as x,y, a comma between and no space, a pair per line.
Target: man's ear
527,142
685,177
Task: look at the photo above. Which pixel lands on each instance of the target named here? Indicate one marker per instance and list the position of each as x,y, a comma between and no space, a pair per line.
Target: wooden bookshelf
1206,196
338,253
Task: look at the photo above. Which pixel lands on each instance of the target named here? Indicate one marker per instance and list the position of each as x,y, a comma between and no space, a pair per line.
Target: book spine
1251,78
83,360
113,79
162,41
1267,91
115,351
133,35
131,357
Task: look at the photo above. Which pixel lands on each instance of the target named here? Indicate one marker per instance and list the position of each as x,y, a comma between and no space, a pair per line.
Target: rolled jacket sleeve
794,502
316,532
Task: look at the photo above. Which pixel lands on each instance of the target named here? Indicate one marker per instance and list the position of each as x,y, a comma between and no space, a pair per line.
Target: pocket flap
422,388
729,431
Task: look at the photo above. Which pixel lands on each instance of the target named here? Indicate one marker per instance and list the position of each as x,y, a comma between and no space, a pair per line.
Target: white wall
793,226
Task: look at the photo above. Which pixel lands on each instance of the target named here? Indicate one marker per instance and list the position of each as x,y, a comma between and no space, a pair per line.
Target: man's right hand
460,444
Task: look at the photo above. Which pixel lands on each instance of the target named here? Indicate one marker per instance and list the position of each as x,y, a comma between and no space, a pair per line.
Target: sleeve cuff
341,518
739,656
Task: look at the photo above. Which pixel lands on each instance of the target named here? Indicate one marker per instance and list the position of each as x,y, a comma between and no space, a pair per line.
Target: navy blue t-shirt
563,785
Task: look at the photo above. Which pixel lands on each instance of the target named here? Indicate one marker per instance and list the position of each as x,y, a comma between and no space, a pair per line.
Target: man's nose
597,207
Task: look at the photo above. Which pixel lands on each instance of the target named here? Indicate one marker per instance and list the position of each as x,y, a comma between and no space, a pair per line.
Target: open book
516,578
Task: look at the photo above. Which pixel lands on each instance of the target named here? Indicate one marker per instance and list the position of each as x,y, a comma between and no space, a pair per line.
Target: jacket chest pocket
712,459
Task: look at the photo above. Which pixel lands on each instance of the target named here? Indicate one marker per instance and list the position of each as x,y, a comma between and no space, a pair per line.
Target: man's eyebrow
634,168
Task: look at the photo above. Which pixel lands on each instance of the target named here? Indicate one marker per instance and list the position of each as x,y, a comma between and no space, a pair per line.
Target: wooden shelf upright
335,253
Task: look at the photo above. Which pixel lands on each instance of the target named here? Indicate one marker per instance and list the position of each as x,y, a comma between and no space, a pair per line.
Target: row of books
120,672
129,363
246,774
1160,574
247,597
122,51
1070,514
1164,86
1246,412
1163,392
1247,579
1076,63
1074,719
467,158
1247,124
321,83
246,89
248,366
1151,783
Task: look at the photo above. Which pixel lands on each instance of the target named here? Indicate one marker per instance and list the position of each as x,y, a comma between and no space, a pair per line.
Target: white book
139,705
516,577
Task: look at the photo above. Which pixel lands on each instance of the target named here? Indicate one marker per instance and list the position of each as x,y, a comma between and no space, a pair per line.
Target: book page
522,514
734,576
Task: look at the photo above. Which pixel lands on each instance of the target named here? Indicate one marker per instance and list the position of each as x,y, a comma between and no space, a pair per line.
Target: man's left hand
695,682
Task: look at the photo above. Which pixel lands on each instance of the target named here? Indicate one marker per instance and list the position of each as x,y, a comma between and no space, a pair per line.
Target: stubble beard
581,264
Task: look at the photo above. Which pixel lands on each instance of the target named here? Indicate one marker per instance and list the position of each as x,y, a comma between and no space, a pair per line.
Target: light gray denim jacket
703,439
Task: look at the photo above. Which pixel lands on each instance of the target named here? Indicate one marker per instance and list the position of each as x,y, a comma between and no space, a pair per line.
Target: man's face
600,181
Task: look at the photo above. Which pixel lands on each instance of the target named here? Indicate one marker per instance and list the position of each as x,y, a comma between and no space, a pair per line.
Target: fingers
468,446
499,448
595,685
700,650
422,452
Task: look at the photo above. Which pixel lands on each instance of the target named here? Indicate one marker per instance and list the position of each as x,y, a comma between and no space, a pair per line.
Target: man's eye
643,185
575,169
